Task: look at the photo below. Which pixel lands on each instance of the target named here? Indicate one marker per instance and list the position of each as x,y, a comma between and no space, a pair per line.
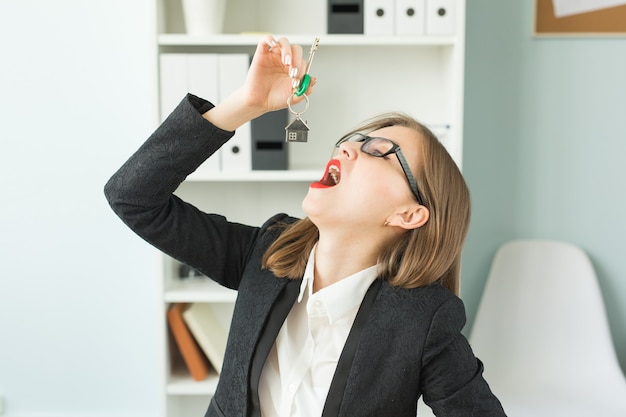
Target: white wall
77,294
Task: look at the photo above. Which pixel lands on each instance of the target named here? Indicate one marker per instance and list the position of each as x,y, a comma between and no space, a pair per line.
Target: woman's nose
348,150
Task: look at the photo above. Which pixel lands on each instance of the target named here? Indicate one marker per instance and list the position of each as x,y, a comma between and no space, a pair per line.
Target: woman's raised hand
269,83
275,67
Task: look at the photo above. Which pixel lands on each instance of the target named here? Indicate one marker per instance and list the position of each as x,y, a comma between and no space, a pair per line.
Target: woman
351,311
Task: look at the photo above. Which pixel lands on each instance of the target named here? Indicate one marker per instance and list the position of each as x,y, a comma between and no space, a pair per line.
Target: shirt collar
307,279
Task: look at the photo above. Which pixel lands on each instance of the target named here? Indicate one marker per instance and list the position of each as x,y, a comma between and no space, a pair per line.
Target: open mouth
331,177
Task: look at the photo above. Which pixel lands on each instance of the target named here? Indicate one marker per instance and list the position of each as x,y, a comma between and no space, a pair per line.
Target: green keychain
306,80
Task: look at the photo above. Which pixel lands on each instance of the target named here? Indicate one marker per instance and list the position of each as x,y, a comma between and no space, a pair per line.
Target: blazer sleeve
452,381
141,194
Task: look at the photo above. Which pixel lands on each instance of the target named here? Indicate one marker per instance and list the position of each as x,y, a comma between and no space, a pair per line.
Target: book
194,358
208,331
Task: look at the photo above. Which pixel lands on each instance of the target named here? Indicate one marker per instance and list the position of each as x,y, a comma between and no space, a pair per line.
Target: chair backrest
541,321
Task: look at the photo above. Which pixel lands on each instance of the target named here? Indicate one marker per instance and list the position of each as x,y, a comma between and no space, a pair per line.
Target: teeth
334,171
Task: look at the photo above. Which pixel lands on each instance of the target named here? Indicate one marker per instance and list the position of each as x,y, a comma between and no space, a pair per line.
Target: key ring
306,101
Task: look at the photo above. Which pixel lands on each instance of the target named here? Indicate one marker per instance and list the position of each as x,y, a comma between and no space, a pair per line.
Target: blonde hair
431,253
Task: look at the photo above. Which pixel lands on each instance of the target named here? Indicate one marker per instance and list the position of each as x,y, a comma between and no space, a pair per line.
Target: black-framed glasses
380,147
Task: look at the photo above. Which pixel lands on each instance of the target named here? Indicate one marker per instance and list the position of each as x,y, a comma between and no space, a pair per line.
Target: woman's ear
410,217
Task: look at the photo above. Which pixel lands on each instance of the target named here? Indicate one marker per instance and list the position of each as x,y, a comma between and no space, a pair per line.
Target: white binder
378,17
202,73
212,77
203,76
440,17
237,152
190,73
410,17
174,83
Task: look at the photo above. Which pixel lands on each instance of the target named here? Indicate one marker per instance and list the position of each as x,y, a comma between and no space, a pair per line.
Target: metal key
306,79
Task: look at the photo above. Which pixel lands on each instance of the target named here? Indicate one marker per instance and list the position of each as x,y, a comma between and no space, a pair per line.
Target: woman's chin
315,203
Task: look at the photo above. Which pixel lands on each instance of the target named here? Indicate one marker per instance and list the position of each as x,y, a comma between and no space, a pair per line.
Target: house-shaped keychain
297,131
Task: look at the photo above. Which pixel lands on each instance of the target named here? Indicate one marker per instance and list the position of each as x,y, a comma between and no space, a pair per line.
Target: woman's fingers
268,41
285,50
291,56
296,70
275,73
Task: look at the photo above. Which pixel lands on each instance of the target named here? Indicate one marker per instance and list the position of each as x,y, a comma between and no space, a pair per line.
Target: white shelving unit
359,76
178,39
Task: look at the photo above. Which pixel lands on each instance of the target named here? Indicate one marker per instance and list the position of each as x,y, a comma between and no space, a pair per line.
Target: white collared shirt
300,367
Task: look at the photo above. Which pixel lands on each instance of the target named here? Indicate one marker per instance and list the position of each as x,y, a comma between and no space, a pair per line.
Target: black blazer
411,342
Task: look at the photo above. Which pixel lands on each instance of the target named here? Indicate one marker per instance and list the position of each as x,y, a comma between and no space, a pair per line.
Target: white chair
542,332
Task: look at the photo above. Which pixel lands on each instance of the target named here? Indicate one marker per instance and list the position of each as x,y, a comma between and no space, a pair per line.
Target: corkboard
604,22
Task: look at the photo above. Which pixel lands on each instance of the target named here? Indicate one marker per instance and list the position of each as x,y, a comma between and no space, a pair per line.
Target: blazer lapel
257,294
272,326
340,378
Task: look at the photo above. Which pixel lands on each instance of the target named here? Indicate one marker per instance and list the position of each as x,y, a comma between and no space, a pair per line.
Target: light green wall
545,147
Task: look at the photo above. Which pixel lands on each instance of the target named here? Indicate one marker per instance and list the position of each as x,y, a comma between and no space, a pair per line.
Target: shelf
198,291
259,176
361,76
184,384
181,39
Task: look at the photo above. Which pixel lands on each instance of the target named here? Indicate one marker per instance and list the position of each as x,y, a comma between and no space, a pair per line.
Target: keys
298,131
312,54
306,79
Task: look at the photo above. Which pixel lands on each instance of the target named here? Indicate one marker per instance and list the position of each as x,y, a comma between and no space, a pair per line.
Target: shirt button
318,303
292,388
